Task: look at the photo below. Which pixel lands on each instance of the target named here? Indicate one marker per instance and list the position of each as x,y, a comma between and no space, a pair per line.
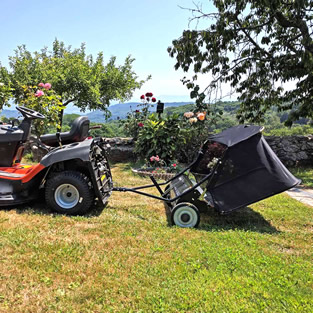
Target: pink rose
41,85
140,124
47,86
174,165
39,93
153,100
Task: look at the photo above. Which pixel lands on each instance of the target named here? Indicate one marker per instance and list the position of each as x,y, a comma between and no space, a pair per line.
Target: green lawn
305,174
125,258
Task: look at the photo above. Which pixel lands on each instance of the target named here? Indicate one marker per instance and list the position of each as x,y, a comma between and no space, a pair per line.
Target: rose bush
42,99
158,165
135,120
160,137
173,137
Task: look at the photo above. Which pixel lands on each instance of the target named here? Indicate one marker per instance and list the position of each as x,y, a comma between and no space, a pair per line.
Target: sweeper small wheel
185,215
69,193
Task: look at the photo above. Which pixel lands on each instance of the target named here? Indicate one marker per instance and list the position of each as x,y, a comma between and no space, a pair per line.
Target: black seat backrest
78,132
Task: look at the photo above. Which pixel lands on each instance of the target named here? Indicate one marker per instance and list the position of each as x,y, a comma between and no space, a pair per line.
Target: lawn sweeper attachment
233,169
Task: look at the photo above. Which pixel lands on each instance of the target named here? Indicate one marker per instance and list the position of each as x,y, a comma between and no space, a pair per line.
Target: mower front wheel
185,215
69,193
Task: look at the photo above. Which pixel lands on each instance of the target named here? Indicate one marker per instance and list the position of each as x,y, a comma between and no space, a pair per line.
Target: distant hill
119,110
10,113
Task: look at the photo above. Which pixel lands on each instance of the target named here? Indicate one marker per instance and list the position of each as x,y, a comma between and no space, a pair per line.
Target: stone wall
292,150
122,149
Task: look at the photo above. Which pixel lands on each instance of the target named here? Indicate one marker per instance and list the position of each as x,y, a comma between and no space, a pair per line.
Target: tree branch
68,101
252,40
299,24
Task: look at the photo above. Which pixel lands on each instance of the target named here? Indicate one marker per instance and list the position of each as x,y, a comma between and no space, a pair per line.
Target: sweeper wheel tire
185,215
69,193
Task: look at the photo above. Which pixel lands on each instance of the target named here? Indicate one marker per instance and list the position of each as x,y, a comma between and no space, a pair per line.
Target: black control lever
58,135
15,121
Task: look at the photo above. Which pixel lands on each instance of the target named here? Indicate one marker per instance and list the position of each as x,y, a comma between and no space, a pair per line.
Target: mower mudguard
93,154
76,150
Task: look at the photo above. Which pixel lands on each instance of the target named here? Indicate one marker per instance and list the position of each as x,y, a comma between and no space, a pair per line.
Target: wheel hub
66,196
185,217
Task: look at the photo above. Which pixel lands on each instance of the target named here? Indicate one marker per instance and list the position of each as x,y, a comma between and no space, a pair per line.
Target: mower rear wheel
185,215
69,193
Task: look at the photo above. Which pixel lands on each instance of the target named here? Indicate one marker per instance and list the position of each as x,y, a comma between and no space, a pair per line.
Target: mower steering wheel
29,113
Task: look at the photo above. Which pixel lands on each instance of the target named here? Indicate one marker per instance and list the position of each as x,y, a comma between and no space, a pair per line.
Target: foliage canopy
75,76
257,47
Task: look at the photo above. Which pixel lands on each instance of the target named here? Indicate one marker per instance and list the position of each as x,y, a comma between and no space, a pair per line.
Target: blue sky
141,28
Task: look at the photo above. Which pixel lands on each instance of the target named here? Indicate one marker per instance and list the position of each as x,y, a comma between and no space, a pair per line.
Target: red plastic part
28,171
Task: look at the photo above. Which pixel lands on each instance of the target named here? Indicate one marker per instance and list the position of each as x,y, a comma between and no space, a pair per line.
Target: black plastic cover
10,134
236,134
10,139
250,172
76,150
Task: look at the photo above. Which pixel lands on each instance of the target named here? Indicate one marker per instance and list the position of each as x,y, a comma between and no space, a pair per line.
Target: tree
257,47
76,77
5,87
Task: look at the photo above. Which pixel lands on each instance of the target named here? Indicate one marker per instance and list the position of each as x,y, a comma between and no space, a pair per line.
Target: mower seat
78,132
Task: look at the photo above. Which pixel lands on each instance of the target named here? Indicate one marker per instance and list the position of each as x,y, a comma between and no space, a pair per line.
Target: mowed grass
305,174
125,258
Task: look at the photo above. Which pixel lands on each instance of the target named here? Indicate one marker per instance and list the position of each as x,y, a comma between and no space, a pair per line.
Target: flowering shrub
170,137
42,99
189,114
174,167
39,93
135,120
163,138
157,163
193,118
155,159
160,166
195,127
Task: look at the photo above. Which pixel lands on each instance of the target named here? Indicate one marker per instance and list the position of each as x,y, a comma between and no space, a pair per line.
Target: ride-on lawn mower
233,169
73,173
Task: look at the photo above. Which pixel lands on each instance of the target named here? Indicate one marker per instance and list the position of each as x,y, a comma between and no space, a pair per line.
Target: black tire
185,215
69,193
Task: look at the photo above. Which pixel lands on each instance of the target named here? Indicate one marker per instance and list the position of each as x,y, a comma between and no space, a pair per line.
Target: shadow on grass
243,219
40,207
